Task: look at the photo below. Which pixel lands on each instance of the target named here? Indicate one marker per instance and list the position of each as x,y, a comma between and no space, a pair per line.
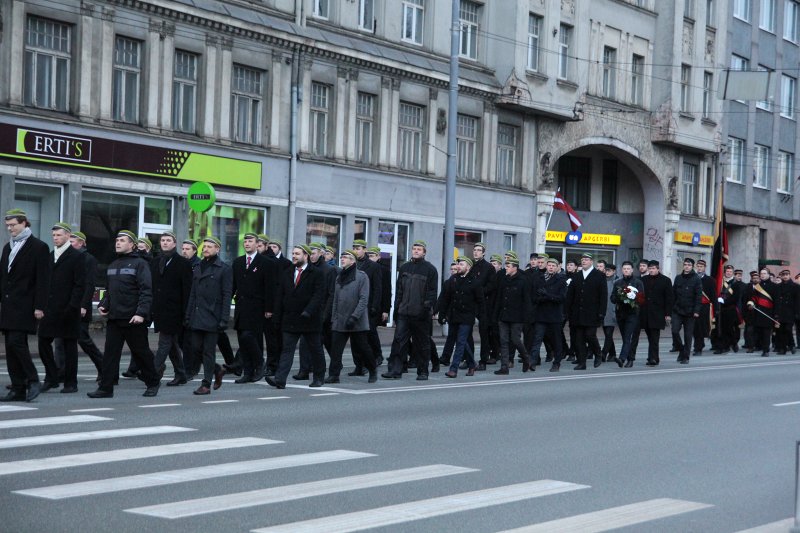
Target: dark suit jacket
25,286
172,284
209,305
62,316
657,301
88,286
254,292
307,297
587,299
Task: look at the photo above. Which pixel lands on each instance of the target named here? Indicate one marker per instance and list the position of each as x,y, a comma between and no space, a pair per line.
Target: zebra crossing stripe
118,484
125,454
50,421
781,526
89,435
615,517
241,500
420,509
13,408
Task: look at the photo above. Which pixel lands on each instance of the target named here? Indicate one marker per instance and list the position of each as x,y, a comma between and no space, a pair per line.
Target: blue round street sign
573,237
695,239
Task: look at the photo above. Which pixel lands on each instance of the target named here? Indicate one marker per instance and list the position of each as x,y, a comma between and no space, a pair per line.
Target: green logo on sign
201,197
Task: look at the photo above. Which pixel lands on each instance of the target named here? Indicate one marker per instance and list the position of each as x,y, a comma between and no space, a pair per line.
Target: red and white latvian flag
561,204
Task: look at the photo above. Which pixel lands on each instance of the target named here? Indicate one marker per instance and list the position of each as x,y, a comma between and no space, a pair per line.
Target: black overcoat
587,299
62,316
253,290
25,286
172,284
657,301
307,297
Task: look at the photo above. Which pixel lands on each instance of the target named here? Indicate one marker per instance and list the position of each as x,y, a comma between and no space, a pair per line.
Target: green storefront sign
96,153
201,197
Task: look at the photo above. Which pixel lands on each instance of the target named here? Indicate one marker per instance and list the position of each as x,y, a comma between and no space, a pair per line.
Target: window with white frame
366,15
410,122
534,50
468,18
184,92
686,99
246,97
710,14
321,8
788,89
737,159
765,104
637,79
708,93
741,9
48,55
767,18
741,64
689,189
467,141
125,79
320,99
564,45
413,20
365,119
791,11
761,166
609,72
506,154
508,241
785,171
688,8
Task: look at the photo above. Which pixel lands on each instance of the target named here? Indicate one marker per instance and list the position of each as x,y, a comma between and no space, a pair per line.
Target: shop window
465,240
42,203
360,229
610,167
574,178
158,211
326,229
102,215
228,223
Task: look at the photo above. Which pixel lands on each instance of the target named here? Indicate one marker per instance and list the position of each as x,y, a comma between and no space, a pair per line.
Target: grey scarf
16,244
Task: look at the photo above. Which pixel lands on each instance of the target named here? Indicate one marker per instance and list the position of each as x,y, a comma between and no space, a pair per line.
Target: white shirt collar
587,271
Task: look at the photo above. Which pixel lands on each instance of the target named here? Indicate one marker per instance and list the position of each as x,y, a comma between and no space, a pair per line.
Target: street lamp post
452,114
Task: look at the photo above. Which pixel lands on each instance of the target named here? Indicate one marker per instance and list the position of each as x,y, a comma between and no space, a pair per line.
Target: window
688,9
127,70
410,138
229,223
637,80
184,92
42,203
686,75
741,9
689,192
246,105
790,18
467,139
609,72
506,154
787,96
413,19
47,64
534,52
737,159
326,229
103,214
564,41
767,18
321,8
785,171
366,15
610,167
710,14
761,166
360,229
574,179
766,105
708,84
465,241
508,241
319,118
468,19
365,113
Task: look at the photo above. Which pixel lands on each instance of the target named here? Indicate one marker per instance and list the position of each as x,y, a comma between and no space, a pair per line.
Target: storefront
692,245
602,246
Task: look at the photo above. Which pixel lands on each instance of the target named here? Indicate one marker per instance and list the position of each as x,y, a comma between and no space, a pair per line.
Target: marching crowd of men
312,303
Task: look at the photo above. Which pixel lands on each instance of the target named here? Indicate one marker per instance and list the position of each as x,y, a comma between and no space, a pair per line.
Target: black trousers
374,339
87,345
305,350
484,335
762,338
683,345
783,337
204,345
586,339
49,361
418,331
250,352
18,360
653,337
449,345
542,331
702,328
225,348
273,339
358,342
169,346
119,332
609,348
290,340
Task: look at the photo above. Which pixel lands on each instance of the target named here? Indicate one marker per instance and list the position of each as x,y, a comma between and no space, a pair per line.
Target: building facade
327,119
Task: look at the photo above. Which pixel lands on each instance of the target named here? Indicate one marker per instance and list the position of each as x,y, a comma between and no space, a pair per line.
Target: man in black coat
374,254
128,305
482,272
687,290
253,290
373,272
549,291
702,326
785,311
62,315
586,306
459,304
24,281
655,310
730,311
284,263
78,241
760,299
172,283
626,294
273,336
513,308
329,273
299,308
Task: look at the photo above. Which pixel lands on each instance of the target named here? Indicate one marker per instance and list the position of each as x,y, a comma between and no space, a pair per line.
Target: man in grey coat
350,317
609,351
209,310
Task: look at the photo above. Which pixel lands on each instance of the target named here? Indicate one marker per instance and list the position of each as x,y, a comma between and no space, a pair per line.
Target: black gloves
442,319
351,323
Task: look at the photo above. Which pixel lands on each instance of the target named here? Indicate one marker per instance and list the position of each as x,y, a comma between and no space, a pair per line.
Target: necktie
248,263
297,276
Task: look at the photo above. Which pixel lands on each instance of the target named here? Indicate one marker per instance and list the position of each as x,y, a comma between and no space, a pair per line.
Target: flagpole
550,217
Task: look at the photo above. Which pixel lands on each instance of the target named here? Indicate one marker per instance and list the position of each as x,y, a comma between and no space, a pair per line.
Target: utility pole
452,121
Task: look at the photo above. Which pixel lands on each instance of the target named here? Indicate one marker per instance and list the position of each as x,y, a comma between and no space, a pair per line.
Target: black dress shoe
481,366
651,363
548,359
47,385
698,352
244,379
579,367
218,375
202,390
151,391
735,348
781,352
435,368
764,354
443,361
598,361
271,381
128,374
463,365
69,390
10,386
684,361
358,372
629,363
373,377
33,391
389,375
526,366
100,393
175,382
491,361
556,367
571,358
618,361
422,377
316,383
13,397
502,371
300,376
332,379
451,374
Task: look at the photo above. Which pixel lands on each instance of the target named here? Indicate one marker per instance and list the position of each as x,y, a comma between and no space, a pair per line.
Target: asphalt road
699,447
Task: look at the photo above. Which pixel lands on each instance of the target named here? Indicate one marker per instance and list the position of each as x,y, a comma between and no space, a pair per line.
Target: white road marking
785,404
50,421
89,435
68,461
159,405
94,410
421,509
241,500
144,481
221,401
275,398
326,394
615,517
13,408
781,526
